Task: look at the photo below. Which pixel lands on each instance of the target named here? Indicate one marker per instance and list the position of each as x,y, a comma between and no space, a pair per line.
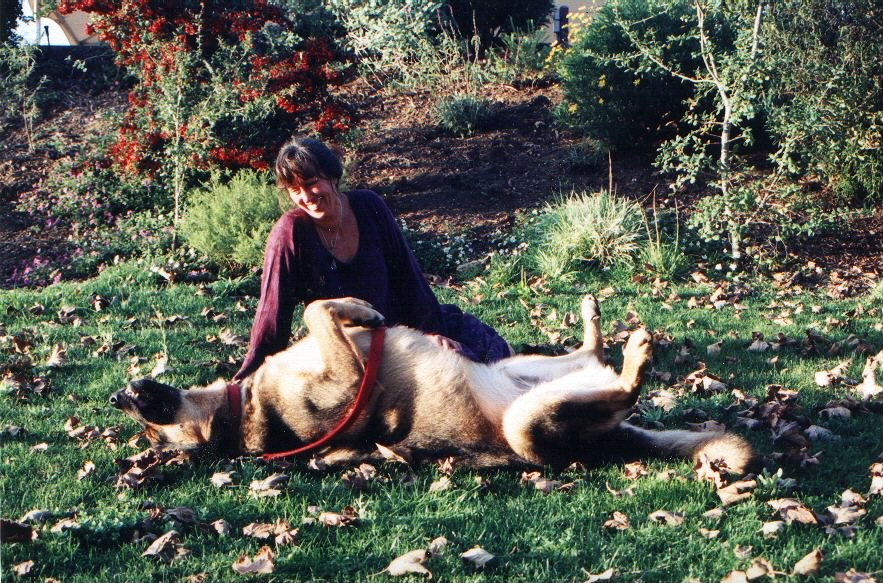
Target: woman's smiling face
317,197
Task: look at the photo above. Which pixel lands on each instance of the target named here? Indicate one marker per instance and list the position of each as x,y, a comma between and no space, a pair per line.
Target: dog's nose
114,399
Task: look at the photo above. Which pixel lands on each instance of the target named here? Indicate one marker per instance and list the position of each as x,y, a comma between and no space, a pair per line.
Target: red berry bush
219,83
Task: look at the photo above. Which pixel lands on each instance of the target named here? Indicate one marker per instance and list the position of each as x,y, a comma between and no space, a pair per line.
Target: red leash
366,389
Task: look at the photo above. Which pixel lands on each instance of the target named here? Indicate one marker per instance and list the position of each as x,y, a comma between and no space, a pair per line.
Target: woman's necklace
325,233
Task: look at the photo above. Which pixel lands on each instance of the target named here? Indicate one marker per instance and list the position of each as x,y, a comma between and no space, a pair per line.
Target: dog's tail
630,442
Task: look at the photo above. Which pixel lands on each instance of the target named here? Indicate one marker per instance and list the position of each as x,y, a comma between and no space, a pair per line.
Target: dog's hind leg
558,422
537,369
593,342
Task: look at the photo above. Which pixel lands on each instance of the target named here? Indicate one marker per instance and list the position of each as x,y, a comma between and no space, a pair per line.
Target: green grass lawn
117,326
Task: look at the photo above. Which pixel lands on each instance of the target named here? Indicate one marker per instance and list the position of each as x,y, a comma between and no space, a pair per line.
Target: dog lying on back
428,402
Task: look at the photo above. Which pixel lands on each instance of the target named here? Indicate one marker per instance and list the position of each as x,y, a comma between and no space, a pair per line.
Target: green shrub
624,106
584,230
230,221
464,114
388,35
519,53
825,63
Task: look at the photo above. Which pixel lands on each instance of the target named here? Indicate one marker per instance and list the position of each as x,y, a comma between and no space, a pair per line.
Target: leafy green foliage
620,101
464,114
825,109
229,221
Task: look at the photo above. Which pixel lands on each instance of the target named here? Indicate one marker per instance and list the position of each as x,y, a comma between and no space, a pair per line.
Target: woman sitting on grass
335,244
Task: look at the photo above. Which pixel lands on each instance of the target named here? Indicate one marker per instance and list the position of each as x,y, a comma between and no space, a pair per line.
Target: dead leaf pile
143,468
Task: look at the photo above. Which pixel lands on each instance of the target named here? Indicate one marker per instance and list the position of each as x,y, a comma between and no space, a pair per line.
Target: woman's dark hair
303,159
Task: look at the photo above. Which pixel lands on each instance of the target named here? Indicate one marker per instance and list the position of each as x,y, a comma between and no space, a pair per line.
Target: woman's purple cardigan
384,272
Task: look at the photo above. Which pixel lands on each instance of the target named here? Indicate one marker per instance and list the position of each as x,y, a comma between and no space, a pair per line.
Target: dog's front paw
374,321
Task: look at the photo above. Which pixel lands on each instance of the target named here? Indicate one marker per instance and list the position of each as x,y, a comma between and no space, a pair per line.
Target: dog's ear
149,400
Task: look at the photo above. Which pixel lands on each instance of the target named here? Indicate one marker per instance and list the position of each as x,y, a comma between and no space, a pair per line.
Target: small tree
726,39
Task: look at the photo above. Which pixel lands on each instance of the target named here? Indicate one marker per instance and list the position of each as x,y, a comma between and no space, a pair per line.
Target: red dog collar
366,389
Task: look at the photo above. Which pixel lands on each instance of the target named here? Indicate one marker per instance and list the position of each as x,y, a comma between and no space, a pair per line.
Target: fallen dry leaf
808,565
261,563
736,492
391,455
437,546
630,491
86,470
711,470
36,516
221,479
667,518
773,528
758,568
715,513
844,514
222,527
410,562
708,533
602,576
264,531
166,547
617,521
161,366
735,577
267,486
542,484
58,358
791,510
359,478
478,557
440,485
226,336
634,470
876,473
346,517
853,576
23,569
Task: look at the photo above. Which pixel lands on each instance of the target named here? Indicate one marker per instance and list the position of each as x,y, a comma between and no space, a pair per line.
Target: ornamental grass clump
587,230
464,114
229,222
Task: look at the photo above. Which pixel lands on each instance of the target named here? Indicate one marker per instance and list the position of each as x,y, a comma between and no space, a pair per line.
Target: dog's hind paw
590,309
